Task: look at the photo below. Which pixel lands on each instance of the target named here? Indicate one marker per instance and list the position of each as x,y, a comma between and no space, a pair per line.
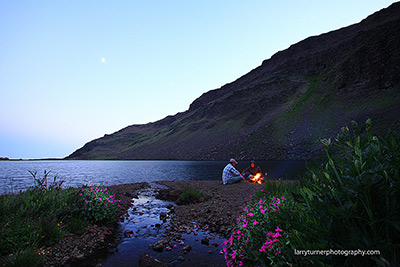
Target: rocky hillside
280,109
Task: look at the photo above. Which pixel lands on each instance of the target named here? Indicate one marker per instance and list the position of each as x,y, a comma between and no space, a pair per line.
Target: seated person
251,171
230,175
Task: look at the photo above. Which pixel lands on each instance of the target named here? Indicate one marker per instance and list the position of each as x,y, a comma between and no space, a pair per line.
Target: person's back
230,174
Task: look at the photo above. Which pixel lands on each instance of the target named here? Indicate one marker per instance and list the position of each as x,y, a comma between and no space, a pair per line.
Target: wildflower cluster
98,205
258,240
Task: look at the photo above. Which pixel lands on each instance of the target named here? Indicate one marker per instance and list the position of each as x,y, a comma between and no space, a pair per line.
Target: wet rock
163,216
205,241
170,206
187,248
159,245
214,244
210,252
146,260
132,195
181,258
168,194
158,225
158,248
128,233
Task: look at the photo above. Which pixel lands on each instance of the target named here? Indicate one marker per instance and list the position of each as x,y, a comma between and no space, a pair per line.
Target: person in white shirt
230,175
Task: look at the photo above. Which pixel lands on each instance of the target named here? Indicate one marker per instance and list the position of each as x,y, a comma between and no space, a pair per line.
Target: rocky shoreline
216,215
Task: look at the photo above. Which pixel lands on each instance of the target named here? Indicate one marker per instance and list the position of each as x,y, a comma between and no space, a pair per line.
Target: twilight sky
72,71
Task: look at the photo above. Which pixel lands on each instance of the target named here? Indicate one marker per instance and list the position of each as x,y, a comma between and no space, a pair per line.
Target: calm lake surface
15,176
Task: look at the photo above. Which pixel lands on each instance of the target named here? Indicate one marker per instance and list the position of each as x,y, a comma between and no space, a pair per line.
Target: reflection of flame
257,178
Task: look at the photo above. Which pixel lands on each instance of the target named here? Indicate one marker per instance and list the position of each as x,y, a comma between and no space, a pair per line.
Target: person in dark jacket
251,171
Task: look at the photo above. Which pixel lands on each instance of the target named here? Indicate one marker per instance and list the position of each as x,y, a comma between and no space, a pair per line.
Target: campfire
257,178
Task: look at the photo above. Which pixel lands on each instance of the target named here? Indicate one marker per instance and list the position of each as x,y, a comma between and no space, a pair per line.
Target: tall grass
43,214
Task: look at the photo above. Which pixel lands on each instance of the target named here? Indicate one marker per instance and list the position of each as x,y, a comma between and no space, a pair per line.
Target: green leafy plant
41,183
355,194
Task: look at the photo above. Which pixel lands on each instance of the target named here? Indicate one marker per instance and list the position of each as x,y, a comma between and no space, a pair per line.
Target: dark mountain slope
281,108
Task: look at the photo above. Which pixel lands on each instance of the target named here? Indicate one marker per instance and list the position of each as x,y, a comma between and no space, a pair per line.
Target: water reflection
14,175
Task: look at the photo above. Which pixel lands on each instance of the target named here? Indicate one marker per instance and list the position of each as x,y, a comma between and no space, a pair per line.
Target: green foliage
355,194
279,188
32,218
42,183
349,201
23,258
190,195
43,214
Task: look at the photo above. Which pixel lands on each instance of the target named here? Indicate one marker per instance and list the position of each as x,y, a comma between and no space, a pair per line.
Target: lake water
15,176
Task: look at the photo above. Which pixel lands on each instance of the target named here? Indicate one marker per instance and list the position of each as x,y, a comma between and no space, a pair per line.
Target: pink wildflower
255,222
277,235
250,214
278,229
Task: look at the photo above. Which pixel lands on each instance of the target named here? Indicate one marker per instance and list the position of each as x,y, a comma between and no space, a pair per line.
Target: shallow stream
145,225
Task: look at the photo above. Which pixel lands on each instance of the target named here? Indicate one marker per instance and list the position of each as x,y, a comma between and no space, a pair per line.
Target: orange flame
257,178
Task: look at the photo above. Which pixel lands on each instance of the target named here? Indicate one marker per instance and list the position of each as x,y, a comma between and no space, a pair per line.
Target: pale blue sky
72,71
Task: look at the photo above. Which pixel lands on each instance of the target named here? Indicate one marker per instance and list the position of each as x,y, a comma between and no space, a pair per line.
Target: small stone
187,248
163,216
181,258
132,195
210,252
146,260
128,233
158,248
205,241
